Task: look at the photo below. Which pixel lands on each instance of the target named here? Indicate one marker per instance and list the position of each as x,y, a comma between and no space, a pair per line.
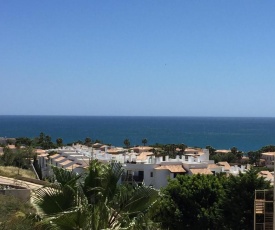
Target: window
151,174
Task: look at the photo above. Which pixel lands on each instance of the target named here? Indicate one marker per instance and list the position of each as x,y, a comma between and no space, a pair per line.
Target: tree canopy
191,201
206,201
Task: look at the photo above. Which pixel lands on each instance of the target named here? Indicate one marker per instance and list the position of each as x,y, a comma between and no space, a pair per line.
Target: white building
139,167
268,159
156,171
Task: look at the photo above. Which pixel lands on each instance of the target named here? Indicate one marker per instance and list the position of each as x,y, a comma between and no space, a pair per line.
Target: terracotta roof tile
201,171
224,164
66,162
55,156
59,159
143,156
172,168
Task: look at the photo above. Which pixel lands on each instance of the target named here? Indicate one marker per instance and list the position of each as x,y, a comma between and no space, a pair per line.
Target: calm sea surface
221,133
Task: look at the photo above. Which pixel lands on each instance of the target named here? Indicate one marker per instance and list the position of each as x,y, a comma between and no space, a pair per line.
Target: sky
137,58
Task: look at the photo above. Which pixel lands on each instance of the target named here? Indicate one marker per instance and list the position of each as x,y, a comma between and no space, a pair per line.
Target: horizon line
187,116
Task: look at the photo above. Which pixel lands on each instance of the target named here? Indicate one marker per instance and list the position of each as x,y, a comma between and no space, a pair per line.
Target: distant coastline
245,133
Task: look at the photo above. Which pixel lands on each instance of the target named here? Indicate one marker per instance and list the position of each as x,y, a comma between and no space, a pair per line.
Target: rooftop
172,168
201,171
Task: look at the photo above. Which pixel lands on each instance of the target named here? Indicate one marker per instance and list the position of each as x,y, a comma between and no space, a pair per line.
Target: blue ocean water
220,132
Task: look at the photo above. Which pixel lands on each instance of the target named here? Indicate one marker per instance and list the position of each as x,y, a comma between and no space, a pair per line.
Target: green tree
191,202
24,141
98,141
234,150
254,157
268,148
59,142
211,149
8,157
94,201
144,141
48,142
239,200
41,138
229,157
60,196
45,141
127,143
237,153
182,147
88,141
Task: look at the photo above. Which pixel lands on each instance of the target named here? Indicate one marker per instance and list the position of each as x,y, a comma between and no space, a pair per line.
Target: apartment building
139,166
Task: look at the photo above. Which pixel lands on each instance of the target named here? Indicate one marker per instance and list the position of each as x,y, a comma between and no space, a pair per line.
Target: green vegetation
168,149
19,157
16,215
17,161
190,202
239,200
144,141
206,201
234,156
94,201
44,141
254,156
229,157
88,141
11,171
127,143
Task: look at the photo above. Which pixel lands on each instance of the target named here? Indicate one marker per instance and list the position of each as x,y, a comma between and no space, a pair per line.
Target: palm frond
54,199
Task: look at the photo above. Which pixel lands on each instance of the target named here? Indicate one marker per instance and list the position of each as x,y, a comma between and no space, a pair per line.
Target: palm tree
127,143
95,200
144,141
41,138
59,142
88,141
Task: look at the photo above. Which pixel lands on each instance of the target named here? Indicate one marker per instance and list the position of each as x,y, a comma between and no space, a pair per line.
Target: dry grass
10,171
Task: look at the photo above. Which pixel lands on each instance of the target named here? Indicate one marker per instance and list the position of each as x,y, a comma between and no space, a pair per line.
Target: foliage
144,141
206,201
254,157
15,214
190,200
239,200
229,157
211,149
42,141
11,171
19,157
59,142
268,148
88,141
94,201
127,143
25,141
60,196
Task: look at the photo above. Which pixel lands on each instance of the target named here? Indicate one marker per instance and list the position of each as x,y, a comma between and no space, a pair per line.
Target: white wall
161,178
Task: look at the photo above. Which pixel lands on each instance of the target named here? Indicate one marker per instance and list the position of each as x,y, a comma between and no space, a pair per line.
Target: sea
245,133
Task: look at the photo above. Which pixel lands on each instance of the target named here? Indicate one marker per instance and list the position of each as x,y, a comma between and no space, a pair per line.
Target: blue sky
160,58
